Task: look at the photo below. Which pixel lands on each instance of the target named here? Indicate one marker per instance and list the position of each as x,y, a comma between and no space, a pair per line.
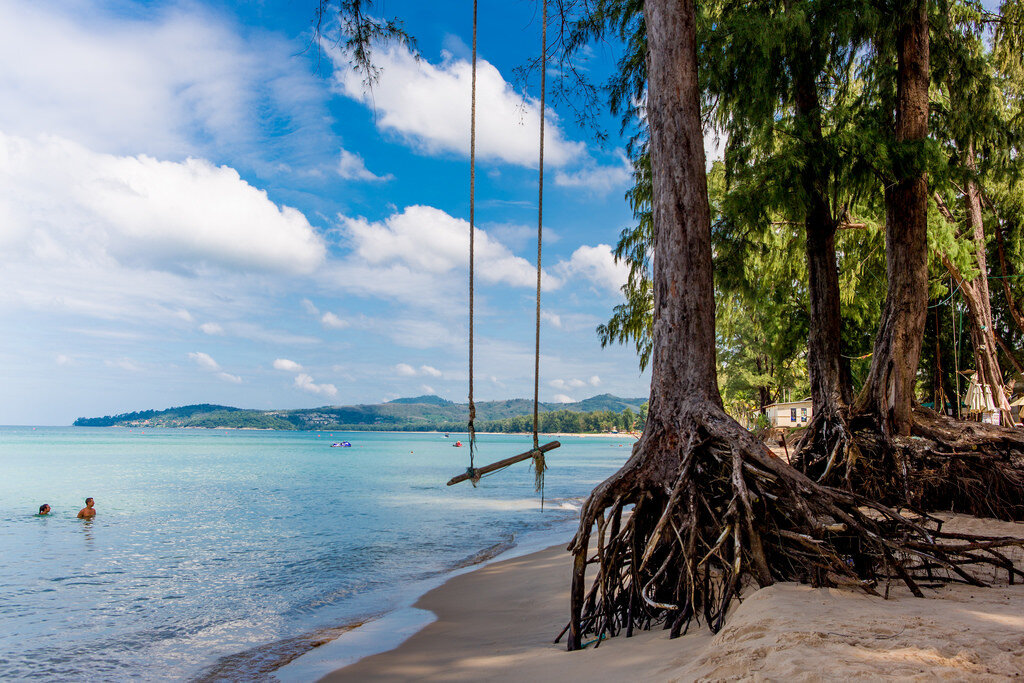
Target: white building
789,414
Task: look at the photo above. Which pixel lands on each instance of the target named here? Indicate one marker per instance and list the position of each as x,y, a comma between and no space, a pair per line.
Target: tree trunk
982,329
1011,304
712,507
976,294
888,393
827,438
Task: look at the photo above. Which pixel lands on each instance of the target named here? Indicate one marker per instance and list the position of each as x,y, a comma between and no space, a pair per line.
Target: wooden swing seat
486,469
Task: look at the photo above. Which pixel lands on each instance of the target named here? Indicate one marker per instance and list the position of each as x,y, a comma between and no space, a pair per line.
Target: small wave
258,663
482,556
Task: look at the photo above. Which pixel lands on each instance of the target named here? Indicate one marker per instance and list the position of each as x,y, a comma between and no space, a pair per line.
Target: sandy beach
497,624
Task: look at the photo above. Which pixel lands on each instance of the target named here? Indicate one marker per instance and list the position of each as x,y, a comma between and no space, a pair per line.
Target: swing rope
538,458
537,453
473,476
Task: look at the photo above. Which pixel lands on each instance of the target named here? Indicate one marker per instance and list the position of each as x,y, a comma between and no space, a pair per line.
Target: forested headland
417,414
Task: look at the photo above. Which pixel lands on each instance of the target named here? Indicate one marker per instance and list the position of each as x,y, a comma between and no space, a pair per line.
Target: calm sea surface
223,554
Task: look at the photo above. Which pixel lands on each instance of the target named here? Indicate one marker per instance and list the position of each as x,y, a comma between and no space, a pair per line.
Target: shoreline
608,435
355,641
496,623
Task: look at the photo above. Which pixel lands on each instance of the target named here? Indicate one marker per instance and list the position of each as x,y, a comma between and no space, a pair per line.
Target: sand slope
496,624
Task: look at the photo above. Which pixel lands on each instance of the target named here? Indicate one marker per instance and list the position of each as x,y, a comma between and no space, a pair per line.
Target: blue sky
197,206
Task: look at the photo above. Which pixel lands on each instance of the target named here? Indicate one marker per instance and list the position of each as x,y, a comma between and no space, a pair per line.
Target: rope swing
537,453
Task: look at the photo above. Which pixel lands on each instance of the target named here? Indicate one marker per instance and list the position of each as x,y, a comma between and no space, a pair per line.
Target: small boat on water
456,444
341,444
446,435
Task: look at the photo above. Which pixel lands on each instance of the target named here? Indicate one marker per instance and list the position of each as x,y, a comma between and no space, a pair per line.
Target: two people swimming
88,512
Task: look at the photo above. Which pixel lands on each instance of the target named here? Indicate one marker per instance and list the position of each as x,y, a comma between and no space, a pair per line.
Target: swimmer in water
44,509
88,512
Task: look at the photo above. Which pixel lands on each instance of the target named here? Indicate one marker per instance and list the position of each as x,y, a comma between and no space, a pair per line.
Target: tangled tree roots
827,451
946,464
713,509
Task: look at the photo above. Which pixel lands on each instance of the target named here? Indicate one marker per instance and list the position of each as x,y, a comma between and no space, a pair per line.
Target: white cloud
595,381
562,398
597,179
427,389
428,106
596,264
309,307
306,383
287,365
333,322
204,360
62,359
168,82
211,328
61,201
553,318
352,167
714,145
567,383
423,239
405,370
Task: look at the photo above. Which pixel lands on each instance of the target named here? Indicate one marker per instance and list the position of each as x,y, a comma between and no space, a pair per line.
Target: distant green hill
420,413
429,399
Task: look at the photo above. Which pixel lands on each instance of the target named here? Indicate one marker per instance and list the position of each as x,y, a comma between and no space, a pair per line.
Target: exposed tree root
714,510
827,450
946,464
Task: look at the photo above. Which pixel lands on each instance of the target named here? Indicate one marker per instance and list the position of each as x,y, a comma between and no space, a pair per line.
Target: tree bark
712,509
982,329
827,438
829,383
976,292
888,393
683,374
1011,304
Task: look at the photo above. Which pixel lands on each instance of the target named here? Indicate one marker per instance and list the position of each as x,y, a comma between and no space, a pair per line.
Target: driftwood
487,469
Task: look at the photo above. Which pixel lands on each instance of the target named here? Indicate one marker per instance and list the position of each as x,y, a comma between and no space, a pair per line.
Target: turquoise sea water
224,554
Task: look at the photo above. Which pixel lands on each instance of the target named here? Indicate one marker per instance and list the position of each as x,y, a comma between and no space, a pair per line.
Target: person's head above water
87,512
44,509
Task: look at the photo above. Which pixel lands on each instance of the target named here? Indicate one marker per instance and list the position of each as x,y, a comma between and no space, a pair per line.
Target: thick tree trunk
888,393
683,375
712,508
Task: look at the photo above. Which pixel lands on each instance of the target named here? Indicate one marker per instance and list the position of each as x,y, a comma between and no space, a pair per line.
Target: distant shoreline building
789,413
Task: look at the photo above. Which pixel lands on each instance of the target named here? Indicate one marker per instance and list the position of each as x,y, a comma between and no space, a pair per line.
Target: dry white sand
497,623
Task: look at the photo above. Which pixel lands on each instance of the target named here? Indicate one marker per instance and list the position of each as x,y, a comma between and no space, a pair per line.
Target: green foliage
359,33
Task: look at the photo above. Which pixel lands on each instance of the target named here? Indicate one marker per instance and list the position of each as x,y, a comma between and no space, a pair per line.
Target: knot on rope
539,466
474,475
